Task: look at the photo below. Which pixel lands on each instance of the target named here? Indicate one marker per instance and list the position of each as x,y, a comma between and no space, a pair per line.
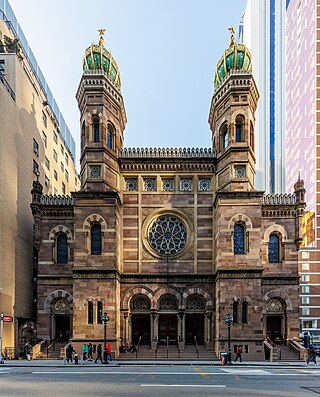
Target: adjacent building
34,142
168,242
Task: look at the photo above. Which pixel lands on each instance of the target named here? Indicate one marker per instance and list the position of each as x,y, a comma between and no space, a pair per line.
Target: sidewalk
137,363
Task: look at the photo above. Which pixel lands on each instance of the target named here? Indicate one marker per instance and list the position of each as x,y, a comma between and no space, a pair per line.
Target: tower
102,119
232,119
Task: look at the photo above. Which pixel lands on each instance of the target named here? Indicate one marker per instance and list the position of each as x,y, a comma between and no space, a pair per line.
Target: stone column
126,328
129,329
182,331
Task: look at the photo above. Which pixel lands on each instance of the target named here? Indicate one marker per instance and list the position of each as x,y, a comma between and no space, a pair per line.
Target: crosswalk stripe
158,385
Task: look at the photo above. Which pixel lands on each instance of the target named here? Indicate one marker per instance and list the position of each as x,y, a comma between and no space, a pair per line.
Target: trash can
224,358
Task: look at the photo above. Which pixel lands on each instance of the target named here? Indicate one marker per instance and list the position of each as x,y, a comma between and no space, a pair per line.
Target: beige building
168,242
31,143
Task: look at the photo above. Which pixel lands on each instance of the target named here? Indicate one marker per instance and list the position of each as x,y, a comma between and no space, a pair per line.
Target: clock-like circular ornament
240,171
61,305
95,172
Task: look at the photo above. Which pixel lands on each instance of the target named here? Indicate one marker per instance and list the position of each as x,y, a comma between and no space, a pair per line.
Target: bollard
76,359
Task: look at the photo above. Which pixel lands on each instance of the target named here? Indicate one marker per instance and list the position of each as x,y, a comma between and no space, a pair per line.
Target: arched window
168,302
90,313
110,136
140,303
245,312
83,131
239,129
274,248
235,307
251,136
62,248
96,240
99,312
96,129
238,239
224,136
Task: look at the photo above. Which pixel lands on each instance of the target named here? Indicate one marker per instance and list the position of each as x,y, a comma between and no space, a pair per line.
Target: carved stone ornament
61,305
274,305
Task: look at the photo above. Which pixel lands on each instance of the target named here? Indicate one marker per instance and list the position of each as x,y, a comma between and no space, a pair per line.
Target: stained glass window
195,302
90,313
186,185
131,184
99,312
140,302
167,235
273,248
167,184
204,185
245,312
62,248
238,239
110,136
235,311
96,241
168,302
149,184
96,129
239,129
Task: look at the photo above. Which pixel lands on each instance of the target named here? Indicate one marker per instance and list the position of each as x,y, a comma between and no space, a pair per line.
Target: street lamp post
228,320
105,318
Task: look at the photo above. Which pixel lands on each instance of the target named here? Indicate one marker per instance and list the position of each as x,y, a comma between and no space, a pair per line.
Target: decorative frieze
56,200
279,199
167,153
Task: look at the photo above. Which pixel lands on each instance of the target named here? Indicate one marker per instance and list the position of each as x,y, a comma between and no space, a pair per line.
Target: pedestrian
109,352
85,351
238,353
90,356
99,353
27,350
311,355
69,351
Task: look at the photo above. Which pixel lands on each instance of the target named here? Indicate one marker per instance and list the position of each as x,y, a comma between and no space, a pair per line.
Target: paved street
152,380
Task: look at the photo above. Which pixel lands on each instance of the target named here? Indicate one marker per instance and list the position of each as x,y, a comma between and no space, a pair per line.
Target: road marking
155,385
240,371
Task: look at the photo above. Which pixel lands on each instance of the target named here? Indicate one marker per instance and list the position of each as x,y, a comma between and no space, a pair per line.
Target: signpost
3,319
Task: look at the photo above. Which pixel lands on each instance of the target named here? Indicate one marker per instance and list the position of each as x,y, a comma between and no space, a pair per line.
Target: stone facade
169,241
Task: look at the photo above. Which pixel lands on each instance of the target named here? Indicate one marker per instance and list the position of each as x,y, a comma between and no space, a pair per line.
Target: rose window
274,305
167,235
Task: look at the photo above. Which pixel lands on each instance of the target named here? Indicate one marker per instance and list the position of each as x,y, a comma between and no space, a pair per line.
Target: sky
166,51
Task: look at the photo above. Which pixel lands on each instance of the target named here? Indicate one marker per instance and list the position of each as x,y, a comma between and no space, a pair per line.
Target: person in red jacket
109,352
238,353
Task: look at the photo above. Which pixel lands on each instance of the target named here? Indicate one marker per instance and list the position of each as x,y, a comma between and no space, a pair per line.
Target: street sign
7,319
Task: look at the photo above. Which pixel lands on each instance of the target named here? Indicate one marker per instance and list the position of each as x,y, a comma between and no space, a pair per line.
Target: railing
269,345
196,346
7,87
293,344
167,346
52,344
156,348
138,346
37,349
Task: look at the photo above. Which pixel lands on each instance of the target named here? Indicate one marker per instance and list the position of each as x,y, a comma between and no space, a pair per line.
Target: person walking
69,351
238,353
90,357
85,351
27,350
311,355
109,352
99,353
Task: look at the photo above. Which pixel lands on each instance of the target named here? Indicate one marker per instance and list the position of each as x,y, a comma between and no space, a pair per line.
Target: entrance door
194,327
274,330
62,327
141,327
168,328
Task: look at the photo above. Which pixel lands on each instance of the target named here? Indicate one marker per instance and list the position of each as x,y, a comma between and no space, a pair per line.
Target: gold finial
233,39
101,39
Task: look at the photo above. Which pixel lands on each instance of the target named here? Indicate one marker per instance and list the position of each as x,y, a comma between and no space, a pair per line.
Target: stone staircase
284,353
188,353
53,352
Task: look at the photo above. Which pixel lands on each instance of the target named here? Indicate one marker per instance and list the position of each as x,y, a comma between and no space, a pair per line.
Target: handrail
179,350
196,345
270,347
156,348
138,346
36,349
52,344
167,346
297,346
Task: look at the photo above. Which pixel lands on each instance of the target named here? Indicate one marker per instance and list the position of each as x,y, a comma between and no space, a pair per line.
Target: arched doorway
140,319
61,319
168,324
195,306
275,320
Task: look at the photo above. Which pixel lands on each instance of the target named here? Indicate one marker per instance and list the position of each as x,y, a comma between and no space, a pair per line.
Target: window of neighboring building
46,181
305,300
63,186
55,155
35,147
96,240
2,66
99,312
305,311
305,266
62,248
62,167
55,136
90,313
55,191
44,139
274,248
245,312
55,174
44,118
305,277
239,239
67,159
235,307
110,136
305,289
62,149
35,167
95,129
239,129
66,174
47,162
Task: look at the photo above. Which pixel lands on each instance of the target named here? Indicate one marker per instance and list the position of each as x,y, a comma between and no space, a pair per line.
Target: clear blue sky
166,51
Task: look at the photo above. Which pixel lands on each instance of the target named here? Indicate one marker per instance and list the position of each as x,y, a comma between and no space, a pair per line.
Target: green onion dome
97,57
236,57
